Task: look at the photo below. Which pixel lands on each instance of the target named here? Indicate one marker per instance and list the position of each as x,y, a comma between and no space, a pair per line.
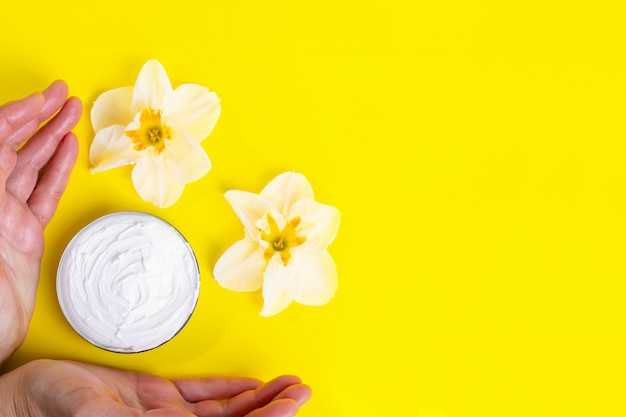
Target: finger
17,114
54,98
46,196
247,401
199,389
105,406
39,149
8,158
300,393
280,408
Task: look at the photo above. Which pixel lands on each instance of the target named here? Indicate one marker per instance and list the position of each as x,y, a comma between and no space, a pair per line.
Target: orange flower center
281,241
152,132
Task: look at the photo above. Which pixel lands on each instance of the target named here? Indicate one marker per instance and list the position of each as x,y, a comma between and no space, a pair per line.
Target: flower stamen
281,241
152,132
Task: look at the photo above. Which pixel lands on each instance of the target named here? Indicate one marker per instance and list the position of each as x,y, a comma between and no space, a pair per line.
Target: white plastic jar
128,282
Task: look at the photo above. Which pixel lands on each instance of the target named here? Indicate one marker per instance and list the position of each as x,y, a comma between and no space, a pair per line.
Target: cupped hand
49,388
35,165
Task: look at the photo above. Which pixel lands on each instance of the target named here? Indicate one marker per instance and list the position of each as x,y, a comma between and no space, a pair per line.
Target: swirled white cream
128,282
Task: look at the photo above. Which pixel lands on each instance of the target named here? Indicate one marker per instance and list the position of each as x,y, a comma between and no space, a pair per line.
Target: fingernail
305,398
57,88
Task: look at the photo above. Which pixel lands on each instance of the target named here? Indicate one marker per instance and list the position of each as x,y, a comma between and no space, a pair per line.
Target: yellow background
476,150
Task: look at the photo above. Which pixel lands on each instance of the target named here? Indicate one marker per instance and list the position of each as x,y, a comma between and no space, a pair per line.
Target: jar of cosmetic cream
128,282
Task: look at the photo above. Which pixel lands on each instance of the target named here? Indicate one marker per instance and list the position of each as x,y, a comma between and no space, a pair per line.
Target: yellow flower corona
152,132
281,241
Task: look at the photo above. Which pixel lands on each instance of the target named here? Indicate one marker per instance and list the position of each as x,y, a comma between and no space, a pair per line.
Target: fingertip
278,408
70,114
70,136
305,395
75,102
70,147
285,407
300,393
57,88
55,95
71,139
289,379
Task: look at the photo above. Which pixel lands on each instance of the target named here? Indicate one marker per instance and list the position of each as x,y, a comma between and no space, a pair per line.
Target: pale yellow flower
284,250
158,129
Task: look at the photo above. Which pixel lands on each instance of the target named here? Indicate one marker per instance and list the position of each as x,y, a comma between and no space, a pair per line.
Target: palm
60,388
28,200
19,269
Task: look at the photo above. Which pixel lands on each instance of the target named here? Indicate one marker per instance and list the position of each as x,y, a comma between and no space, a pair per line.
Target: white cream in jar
128,282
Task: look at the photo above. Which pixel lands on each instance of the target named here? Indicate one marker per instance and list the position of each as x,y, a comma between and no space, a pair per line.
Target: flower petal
278,282
309,280
112,148
249,207
241,267
195,110
286,189
320,224
112,108
154,184
152,89
185,159
316,278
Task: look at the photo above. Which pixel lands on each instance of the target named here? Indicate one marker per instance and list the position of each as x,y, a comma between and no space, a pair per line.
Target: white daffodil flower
158,129
284,250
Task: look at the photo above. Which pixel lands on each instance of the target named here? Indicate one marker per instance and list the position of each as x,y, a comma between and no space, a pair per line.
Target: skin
47,388
37,155
27,200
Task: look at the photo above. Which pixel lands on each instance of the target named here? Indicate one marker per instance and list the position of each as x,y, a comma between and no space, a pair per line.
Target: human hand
35,166
47,388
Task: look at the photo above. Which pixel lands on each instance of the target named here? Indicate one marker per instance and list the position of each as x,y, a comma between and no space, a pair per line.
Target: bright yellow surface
476,150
